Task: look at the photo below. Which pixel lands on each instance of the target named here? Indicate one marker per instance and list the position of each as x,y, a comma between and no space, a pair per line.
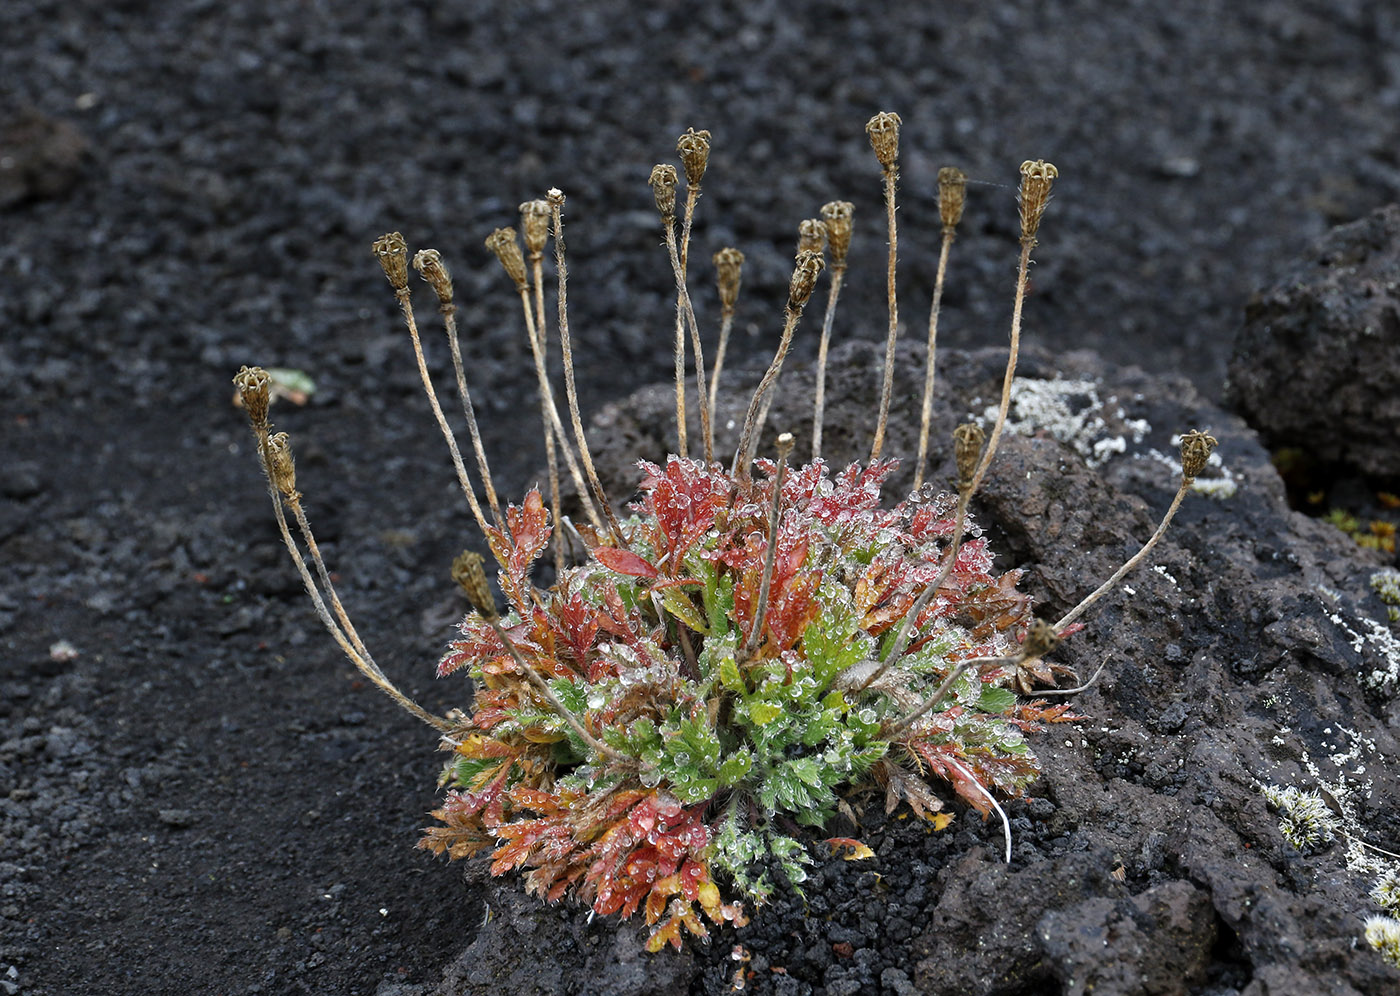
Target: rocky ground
199,796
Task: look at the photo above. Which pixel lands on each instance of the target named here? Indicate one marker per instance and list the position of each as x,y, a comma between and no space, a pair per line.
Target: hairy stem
406,306
546,397
838,276
566,346
551,411
449,320
686,314
932,352
748,439
888,384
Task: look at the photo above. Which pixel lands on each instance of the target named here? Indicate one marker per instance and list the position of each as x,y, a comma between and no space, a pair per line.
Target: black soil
197,795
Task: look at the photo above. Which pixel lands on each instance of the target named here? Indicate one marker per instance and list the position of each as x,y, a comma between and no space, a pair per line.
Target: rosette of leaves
723,742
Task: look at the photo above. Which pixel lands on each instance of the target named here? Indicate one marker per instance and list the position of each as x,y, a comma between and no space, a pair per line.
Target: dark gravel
197,796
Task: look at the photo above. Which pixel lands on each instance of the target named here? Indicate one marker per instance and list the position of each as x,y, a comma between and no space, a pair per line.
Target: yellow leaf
678,603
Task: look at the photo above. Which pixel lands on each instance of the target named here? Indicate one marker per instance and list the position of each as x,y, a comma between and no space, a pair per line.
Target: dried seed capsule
429,264
1036,179
952,193
555,197
967,450
502,242
392,252
1040,639
694,148
804,279
785,445
729,262
811,235
468,572
837,215
1196,448
883,130
663,185
254,390
280,466
534,225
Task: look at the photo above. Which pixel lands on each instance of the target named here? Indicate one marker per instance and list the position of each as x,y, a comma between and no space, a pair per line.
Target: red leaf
625,562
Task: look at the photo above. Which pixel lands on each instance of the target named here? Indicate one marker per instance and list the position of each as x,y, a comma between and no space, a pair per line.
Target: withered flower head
729,262
280,466
694,147
785,445
837,215
502,242
254,390
952,193
534,226
883,130
1040,639
1196,448
967,450
392,253
468,572
804,279
555,197
811,235
429,264
1036,178
663,184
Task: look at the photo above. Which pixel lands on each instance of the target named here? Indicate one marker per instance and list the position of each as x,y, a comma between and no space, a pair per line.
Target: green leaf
996,700
736,766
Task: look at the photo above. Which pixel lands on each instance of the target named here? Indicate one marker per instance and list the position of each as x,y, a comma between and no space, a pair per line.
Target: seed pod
952,193
254,390
1036,179
392,252
1040,639
811,235
837,215
1196,448
785,445
663,185
804,280
280,466
502,242
534,225
694,148
555,197
730,264
967,450
429,264
468,572
883,130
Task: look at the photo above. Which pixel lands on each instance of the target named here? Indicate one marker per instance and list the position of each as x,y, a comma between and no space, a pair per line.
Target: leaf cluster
732,719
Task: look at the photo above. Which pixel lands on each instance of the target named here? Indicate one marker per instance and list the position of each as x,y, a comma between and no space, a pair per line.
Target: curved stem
1118,575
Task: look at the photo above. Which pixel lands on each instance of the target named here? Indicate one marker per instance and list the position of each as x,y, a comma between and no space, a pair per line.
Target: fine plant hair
754,640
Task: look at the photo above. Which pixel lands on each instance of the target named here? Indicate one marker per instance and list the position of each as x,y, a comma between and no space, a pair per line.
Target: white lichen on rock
1374,641
1071,412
